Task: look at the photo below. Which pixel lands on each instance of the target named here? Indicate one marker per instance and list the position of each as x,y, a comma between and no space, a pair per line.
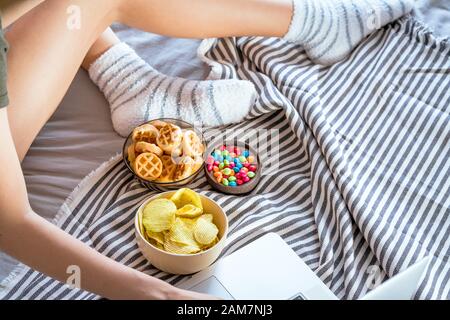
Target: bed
73,136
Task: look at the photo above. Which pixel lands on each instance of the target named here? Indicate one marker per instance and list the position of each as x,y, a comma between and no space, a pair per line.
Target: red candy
216,163
246,179
239,182
252,168
210,160
222,148
210,167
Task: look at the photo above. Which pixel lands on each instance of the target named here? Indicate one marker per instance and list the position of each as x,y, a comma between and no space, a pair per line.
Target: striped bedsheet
362,187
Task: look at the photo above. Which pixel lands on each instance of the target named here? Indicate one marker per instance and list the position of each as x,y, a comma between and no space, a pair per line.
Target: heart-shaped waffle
184,169
168,169
192,145
142,147
148,166
146,133
169,137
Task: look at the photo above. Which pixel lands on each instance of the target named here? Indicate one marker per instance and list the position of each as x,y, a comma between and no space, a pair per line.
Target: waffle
184,169
192,145
146,133
143,147
158,124
148,166
131,154
169,138
168,169
198,162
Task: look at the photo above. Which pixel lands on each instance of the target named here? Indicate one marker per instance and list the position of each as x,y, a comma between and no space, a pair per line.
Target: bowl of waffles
164,154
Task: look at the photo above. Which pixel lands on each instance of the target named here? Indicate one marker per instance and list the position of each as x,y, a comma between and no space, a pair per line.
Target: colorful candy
231,166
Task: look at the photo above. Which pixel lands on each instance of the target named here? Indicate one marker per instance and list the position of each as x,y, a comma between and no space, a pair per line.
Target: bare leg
100,46
210,19
14,9
40,69
32,58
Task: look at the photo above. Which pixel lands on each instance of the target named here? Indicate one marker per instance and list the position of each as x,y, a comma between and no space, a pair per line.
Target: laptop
268,269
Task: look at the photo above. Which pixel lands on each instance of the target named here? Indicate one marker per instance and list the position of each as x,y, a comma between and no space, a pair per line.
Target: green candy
225,153
250,174
242,159
232,178
225,182
226,162
226,171
221,165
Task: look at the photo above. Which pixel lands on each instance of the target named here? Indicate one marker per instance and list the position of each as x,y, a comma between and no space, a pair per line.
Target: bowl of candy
164,154
181,232
232,168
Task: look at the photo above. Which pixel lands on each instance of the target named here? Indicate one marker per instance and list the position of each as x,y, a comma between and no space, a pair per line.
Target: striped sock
330,29
137,93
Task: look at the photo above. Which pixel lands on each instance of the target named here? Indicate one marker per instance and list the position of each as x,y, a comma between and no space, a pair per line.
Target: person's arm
44,247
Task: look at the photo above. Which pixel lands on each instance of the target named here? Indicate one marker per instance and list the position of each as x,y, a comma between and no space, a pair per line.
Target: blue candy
232,184
246,153
236,169
236,160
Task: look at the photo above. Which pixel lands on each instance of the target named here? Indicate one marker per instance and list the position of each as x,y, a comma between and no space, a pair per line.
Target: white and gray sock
330,29
137,93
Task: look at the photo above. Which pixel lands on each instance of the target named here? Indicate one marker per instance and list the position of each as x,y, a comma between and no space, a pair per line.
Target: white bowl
184,263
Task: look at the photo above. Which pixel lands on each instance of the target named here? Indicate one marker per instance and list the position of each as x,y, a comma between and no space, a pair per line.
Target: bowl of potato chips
181,232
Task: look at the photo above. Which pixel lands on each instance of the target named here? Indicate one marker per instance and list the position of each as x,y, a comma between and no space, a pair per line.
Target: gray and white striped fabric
363,181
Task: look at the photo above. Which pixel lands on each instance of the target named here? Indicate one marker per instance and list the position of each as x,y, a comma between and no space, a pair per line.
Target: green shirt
3,49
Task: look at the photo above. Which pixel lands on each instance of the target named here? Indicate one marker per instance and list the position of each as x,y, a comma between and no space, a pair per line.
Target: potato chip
186,196
189,211
205,231
177,248
157,236
212,244
208,217
183,233
159,215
